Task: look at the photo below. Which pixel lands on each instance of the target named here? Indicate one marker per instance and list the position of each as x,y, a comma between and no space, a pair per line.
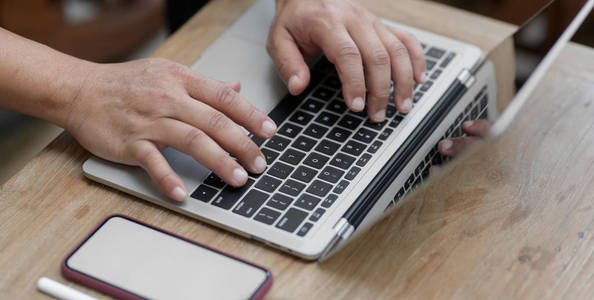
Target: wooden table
514,220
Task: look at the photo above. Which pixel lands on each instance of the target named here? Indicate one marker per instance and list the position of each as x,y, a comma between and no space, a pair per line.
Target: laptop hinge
343,228
466,78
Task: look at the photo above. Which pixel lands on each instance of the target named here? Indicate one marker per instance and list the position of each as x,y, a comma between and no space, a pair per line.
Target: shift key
230,195
291,220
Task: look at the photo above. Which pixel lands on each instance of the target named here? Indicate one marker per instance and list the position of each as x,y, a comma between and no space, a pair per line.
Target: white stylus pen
60,291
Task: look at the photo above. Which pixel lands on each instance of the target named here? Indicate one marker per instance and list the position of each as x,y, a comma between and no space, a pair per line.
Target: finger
479,128
377,69
229,102
417,55
455,146
402,72
235,85
150,158
225,132
201,147
342,51
288,60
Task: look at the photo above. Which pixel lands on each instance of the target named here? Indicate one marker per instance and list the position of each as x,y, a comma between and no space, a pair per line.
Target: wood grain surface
513,220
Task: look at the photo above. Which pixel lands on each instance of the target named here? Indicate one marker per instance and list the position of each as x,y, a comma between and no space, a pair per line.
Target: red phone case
120,293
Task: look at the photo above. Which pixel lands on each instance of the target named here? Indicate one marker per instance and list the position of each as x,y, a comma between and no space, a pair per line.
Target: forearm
37,80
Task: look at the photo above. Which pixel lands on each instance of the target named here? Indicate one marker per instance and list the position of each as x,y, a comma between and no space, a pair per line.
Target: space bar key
230,195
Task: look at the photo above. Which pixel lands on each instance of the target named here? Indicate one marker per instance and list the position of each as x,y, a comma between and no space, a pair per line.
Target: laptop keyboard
319,149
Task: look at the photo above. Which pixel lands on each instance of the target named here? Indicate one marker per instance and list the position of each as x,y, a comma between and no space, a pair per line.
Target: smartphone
128,259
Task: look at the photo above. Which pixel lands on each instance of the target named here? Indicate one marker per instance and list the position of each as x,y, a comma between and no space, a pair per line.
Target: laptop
331,173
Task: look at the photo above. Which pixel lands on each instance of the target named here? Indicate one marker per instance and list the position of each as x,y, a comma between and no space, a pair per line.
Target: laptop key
341,187
337,106
304,174
417,96
333,82
342,161
291,220
204,193
214,180
331,174
301,117
278,143
338,134
328,147
316,160
268,184
436,74
269,155
352,173
326,118
279,201
290,130
374,147
250,203
375,126
319,188
350,122
353,148
363,160
307,202
230,195
365,135
312,105
328,201
385,134
280,170
304,229
267,216
390,111
292,156
323,93
317,214
447,60
435,52
430,64
304,143
292,187
315,131
426,86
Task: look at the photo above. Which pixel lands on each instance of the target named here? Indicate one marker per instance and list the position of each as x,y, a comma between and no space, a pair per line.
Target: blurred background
121,30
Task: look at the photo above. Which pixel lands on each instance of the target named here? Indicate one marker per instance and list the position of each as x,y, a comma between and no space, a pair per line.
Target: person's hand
475,130
367,54
127,112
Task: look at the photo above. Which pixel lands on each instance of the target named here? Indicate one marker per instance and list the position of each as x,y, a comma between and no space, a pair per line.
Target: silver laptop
331,173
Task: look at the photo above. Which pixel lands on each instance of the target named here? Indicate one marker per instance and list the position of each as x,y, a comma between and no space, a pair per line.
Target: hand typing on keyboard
451,147
368,55
127,112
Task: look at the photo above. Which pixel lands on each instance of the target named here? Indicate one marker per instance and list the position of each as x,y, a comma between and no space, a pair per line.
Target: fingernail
260,164
292,83
407,105
179,194
240,176
445,144
268,128
380,115
423,77
468,123
358,104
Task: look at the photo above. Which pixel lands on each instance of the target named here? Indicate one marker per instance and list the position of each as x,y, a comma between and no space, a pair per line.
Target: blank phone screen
156,265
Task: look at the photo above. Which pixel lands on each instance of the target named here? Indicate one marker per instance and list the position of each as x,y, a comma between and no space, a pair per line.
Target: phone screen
153,264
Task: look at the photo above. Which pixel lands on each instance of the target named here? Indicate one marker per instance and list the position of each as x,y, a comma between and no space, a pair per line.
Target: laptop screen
540,24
